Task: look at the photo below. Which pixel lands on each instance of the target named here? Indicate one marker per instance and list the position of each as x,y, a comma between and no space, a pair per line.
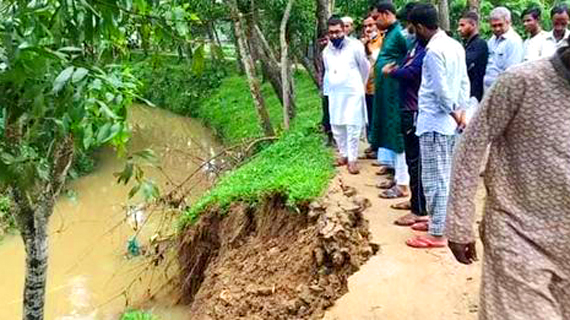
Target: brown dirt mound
267,262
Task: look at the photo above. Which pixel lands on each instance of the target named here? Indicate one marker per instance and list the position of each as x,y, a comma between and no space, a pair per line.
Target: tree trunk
249,67
32,221
33,229
269,62
443,9
36,244
473,5
309,65
285,74
323,13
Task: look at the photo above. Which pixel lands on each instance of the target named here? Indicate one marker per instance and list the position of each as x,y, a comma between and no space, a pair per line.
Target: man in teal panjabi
386,133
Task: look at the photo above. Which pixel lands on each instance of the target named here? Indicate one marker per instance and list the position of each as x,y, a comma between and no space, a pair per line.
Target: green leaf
97,84
106,110
199,60
62,79
134,190
125,175
104,133
87,136
79,75
149,190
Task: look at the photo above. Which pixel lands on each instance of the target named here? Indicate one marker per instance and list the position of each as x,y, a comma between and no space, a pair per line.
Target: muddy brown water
88,268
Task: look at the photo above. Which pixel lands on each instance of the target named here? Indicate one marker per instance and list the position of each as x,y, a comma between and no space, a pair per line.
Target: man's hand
388,68
460,118
464,253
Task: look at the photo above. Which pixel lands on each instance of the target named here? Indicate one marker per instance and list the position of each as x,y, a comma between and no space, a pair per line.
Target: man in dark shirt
476,52
409,74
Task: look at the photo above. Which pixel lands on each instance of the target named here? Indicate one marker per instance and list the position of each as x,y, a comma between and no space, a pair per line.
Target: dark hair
334,21
424,14
534,12
558,9
471,15
405,12
384,7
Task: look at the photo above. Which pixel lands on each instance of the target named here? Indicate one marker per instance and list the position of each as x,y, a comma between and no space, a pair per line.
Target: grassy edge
297,166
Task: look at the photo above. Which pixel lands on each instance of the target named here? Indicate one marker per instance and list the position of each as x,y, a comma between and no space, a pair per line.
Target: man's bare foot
343,161
353,168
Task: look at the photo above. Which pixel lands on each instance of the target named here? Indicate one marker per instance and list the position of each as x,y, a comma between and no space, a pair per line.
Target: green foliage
359,8
298,166
230,112
173,84
137,315
50,97
7,221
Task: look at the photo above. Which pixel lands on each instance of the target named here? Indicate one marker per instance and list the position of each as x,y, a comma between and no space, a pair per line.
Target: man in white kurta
346,69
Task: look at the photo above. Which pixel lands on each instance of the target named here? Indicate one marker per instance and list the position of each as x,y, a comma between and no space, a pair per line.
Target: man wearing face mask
505,46
346,70
372,41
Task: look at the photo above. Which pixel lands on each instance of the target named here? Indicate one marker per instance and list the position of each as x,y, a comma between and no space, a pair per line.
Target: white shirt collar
438,35
550,35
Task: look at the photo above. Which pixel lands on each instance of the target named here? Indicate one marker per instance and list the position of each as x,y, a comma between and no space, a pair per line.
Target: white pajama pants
347,138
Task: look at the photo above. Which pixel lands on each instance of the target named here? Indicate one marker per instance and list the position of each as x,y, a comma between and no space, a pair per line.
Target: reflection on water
88,268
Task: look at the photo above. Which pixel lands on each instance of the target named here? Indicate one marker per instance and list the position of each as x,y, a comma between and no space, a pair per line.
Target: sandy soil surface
400,282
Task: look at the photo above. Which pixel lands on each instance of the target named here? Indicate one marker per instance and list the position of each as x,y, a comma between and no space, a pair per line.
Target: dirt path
401,283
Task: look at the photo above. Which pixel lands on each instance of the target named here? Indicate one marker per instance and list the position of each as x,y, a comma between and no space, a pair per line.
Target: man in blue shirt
505,46
409,74
444,91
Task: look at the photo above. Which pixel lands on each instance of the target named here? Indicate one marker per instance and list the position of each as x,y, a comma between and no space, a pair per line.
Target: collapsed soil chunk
271,262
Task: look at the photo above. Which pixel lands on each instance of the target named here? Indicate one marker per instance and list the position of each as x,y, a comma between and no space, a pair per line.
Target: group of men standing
415,89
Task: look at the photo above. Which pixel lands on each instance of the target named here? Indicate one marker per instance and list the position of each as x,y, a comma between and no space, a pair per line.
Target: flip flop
341,162
384,171
409,220
393,193
425,243
406,205
421,226
386,184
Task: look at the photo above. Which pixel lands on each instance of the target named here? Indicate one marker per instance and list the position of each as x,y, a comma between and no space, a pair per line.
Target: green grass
297,166
137,315
231,114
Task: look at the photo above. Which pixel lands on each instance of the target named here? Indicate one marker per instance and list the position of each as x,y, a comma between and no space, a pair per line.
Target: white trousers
401,176
347,138
397,161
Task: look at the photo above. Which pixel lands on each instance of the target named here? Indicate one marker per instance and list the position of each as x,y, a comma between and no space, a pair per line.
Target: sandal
421,226
385,171
386,184
406,205
393,193
353,168
426,243
341,162
409,220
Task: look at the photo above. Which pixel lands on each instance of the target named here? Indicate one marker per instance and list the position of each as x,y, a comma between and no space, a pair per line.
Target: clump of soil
267,262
